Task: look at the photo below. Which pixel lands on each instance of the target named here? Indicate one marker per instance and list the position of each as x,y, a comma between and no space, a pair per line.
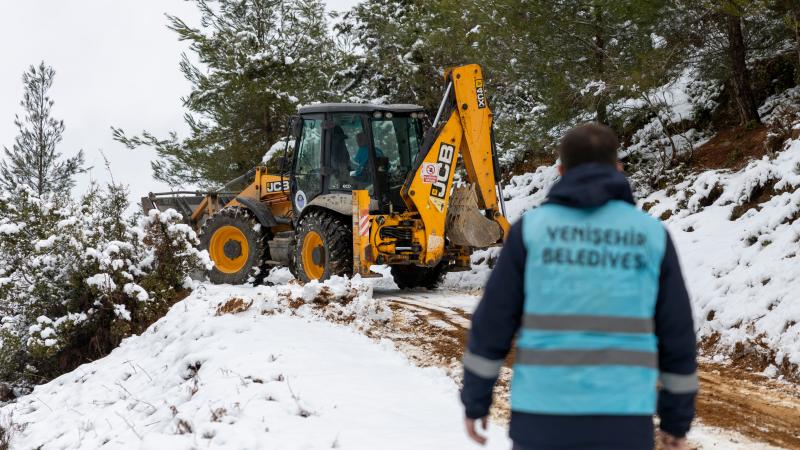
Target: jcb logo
439,188
480,93
278,186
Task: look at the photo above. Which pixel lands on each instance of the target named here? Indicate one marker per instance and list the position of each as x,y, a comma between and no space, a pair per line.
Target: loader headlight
389,115
377,114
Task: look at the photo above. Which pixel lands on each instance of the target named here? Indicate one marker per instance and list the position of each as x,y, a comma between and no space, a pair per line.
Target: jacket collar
590,186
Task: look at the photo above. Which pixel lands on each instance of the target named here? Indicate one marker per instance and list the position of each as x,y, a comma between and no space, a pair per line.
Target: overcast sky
116,64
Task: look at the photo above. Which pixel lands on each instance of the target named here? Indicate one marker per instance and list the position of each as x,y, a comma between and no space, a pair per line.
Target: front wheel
324,246
235,243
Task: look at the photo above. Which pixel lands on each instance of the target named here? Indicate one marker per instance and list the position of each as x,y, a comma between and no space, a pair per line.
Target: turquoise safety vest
587,343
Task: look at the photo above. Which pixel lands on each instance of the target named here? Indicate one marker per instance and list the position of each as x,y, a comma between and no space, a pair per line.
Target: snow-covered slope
263,371
738,234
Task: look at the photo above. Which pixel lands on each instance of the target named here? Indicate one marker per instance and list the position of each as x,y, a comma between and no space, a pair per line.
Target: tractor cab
341,147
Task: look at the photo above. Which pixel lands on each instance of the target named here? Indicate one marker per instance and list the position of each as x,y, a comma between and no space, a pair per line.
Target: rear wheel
324,247
410,277
236,244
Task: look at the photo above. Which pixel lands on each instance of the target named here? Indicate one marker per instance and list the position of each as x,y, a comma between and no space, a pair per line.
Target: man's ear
620,166
561,170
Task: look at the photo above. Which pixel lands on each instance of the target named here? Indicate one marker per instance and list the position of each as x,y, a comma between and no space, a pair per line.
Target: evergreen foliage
395,61
256,61
548,65
34,161
78,277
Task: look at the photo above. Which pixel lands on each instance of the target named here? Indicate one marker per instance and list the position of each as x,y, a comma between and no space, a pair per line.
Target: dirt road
431,328
762,409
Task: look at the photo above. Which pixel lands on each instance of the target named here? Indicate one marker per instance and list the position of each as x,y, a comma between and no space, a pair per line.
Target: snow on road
246,381
702,437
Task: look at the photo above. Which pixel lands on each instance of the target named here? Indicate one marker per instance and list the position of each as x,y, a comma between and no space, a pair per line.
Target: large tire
236,243
323,247
410,277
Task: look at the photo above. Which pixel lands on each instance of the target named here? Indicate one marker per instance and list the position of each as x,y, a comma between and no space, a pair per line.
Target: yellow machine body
466,133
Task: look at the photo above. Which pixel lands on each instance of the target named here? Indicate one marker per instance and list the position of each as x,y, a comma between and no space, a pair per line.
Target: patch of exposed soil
437,340
530,164
759,408
760,194
752,356
731,149
233,305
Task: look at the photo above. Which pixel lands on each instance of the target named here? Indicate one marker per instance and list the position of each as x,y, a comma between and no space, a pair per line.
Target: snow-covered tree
78,277
392,59
254,62
34,161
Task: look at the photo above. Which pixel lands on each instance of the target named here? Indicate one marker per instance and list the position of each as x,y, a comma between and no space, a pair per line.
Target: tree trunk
740,76
795,20
601,107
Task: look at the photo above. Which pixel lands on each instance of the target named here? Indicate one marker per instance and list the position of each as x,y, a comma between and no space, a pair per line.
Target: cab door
307,181
349,160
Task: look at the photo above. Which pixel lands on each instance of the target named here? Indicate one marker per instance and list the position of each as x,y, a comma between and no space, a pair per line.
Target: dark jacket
498,317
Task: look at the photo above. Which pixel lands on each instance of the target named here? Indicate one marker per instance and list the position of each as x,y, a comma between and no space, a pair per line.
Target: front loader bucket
466,224
184,204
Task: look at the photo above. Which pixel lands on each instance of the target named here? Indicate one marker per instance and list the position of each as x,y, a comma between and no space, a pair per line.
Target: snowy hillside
231,367
738,235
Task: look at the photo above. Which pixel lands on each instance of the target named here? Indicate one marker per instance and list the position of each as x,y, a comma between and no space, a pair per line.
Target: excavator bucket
466,224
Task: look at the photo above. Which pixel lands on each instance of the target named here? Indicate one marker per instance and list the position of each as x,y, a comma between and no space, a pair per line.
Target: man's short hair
588,143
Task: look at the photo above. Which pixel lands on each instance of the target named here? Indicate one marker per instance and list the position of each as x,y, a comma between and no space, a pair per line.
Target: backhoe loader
363,186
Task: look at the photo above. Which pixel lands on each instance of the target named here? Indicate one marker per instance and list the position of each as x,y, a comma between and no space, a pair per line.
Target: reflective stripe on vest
587,344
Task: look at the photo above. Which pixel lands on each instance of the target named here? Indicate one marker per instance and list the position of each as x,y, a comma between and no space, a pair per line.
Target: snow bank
338,300
528,190
205,378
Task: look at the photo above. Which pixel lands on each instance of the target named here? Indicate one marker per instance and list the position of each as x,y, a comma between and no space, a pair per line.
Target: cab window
396,139
349,154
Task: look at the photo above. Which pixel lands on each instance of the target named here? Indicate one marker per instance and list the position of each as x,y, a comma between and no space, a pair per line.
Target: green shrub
78,277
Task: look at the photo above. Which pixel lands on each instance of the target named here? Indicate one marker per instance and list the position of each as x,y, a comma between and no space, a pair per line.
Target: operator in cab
591,287
361,160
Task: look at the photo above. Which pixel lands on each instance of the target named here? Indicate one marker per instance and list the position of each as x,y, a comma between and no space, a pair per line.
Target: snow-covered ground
264,377
742,271
277,367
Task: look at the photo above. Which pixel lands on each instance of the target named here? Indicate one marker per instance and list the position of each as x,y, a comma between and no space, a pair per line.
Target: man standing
592,290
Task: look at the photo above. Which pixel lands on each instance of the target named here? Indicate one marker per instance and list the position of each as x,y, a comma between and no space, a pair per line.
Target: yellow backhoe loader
362,187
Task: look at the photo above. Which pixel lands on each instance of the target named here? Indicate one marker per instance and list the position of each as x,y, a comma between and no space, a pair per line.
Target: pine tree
395,61
33,161
258,60
591,51
550,64
726,39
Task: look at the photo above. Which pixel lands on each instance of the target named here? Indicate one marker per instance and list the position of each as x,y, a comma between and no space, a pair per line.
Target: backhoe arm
463,127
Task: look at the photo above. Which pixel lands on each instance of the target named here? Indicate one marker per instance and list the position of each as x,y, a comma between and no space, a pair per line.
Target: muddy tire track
759,408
